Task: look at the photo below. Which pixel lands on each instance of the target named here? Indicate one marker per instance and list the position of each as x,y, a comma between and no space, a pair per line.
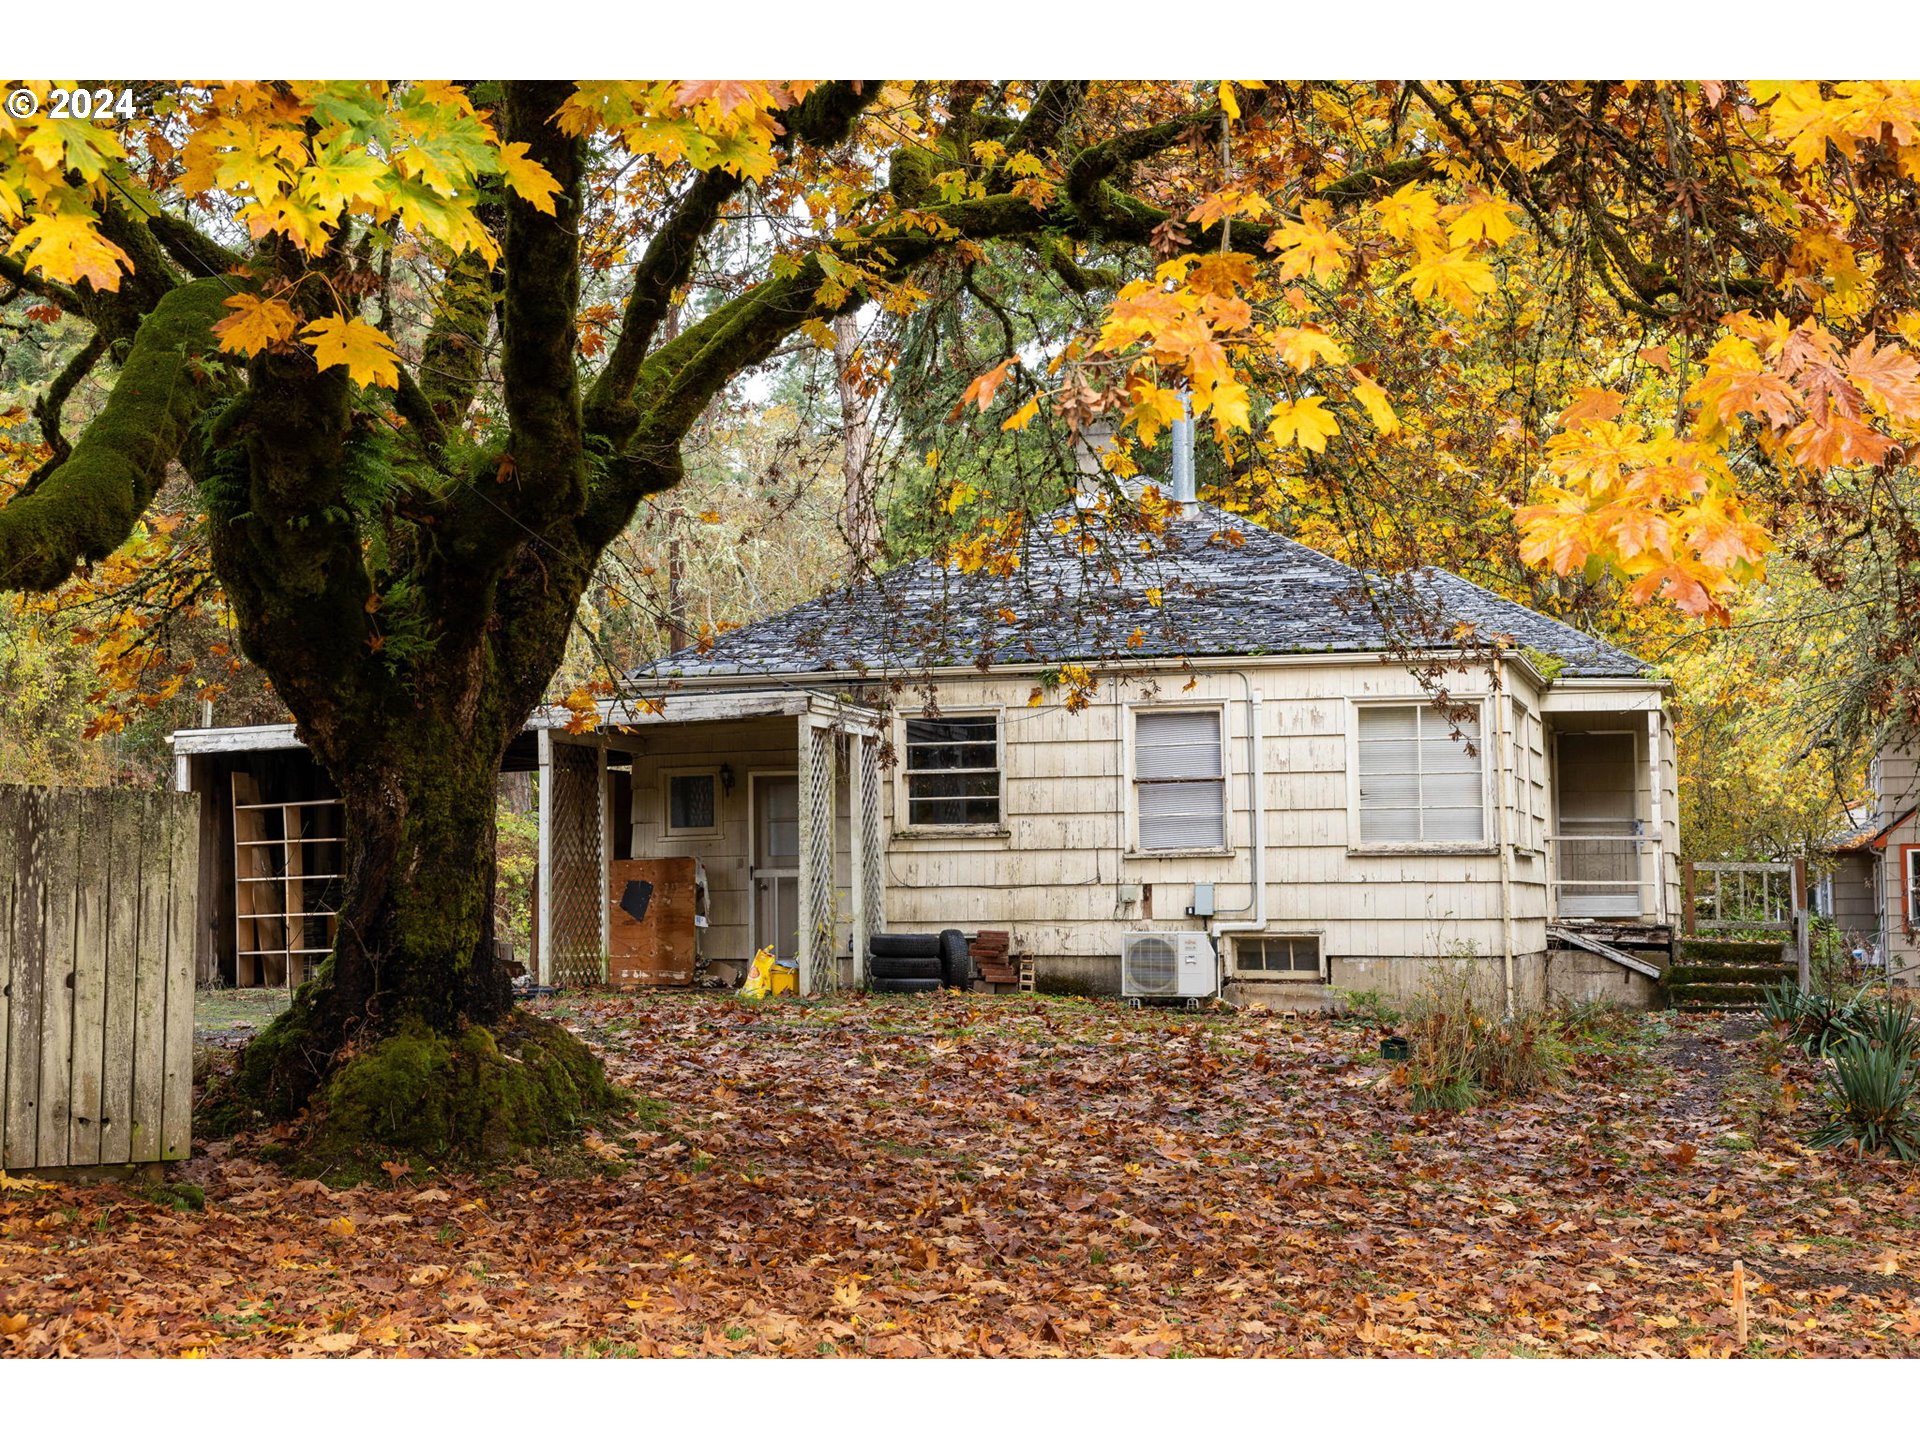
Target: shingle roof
1225,586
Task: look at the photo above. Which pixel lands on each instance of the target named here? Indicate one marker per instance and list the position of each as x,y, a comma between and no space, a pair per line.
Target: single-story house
1193,727
1872,892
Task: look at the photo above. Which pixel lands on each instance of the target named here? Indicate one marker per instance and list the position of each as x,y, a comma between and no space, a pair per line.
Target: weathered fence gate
97,914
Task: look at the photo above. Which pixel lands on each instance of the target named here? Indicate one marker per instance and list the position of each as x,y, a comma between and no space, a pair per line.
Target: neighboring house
1210,729
1872,893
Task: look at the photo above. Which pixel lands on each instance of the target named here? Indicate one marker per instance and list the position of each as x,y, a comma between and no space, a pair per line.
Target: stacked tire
919,964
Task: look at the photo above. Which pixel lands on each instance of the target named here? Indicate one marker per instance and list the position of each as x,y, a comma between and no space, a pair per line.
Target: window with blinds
1179,788
1418,784
953,770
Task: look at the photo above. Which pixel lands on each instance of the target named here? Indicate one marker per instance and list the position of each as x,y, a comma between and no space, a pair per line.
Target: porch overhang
572,922
696,707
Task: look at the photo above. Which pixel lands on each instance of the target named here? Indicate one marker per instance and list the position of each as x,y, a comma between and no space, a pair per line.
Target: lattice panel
816,920
577,958
869,851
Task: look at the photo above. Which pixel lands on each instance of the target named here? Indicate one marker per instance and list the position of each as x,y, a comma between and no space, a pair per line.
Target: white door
1600,863
775,870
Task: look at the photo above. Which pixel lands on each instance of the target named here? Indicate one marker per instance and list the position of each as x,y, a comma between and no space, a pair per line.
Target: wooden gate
97,915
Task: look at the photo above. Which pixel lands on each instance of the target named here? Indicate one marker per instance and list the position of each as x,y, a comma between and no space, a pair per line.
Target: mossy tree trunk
410,598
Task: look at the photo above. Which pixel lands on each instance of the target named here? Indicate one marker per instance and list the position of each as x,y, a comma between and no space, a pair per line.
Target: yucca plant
1873,1094
1889,1024
1826,1021
1784,1004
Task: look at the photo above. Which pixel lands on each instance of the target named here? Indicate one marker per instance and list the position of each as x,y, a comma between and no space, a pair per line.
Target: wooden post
1739,1308
1686,896
1657,910
1802,924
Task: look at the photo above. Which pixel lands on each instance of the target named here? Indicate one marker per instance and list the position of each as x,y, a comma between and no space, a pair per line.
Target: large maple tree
422,349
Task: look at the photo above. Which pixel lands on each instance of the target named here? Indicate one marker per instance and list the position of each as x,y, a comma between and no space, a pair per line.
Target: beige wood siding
1061,869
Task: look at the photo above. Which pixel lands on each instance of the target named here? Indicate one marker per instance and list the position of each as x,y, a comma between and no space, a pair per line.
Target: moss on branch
84,509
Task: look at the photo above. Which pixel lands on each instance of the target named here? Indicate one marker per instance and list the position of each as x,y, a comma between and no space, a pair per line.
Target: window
953,770
1418,784
692,807
1912,854
1179,790
1278,957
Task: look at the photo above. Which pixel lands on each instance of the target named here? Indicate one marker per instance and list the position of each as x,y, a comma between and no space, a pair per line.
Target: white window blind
1178,785
1418,784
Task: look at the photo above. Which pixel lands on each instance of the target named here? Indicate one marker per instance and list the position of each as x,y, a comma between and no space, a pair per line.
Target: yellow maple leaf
255,324
1022,417
1308,247
527,177
1370,395
1483,218
67,247
1306,423
1411,210
1453,275
350,341
1301,346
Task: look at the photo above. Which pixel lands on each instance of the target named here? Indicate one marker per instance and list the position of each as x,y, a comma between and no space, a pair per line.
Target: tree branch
48,407
88,506
825,117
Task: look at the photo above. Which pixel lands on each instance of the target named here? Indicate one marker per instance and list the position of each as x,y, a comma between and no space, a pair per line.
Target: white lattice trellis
869,849
577,868
817,744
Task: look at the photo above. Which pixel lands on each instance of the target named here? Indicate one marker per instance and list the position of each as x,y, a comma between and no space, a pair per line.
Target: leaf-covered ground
1021,1176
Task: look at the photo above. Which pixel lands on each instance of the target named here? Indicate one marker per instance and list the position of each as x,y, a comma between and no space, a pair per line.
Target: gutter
1257,832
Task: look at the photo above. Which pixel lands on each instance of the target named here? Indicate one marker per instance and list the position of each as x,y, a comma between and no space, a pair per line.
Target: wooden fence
97,914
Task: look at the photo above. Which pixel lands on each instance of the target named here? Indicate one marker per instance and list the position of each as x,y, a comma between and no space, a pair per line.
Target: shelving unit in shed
289,862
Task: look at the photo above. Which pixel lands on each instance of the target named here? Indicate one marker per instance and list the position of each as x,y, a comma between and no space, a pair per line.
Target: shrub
1462,1053
1872,1089
1370,1006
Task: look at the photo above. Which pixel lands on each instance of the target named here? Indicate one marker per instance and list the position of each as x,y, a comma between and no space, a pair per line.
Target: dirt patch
229,1018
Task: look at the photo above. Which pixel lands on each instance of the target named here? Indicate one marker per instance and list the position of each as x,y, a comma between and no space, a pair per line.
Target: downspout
1256,820
1504,805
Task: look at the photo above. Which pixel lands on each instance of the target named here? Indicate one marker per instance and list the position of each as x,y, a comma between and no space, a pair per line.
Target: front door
1600,863
775,873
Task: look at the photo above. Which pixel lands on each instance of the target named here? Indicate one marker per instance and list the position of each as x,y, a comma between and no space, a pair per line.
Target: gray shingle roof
1226,587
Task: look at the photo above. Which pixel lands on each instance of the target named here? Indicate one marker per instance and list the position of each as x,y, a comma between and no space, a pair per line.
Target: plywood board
657,947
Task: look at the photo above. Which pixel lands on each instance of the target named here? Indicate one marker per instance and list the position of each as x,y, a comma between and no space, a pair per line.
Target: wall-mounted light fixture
726,779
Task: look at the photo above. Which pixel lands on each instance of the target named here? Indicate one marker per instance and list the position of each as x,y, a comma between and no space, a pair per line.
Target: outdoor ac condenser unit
1166,964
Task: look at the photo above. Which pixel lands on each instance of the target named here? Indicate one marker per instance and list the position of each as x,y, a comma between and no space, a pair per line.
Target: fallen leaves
1015,1176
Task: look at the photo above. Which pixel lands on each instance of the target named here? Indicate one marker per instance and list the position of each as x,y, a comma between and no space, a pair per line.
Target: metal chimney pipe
1184,494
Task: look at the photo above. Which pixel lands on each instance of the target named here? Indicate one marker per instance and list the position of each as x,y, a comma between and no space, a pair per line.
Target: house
1872,891
1191,725
1209,727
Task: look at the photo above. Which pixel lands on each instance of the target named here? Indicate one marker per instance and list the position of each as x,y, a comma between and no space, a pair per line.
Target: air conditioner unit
1167,964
